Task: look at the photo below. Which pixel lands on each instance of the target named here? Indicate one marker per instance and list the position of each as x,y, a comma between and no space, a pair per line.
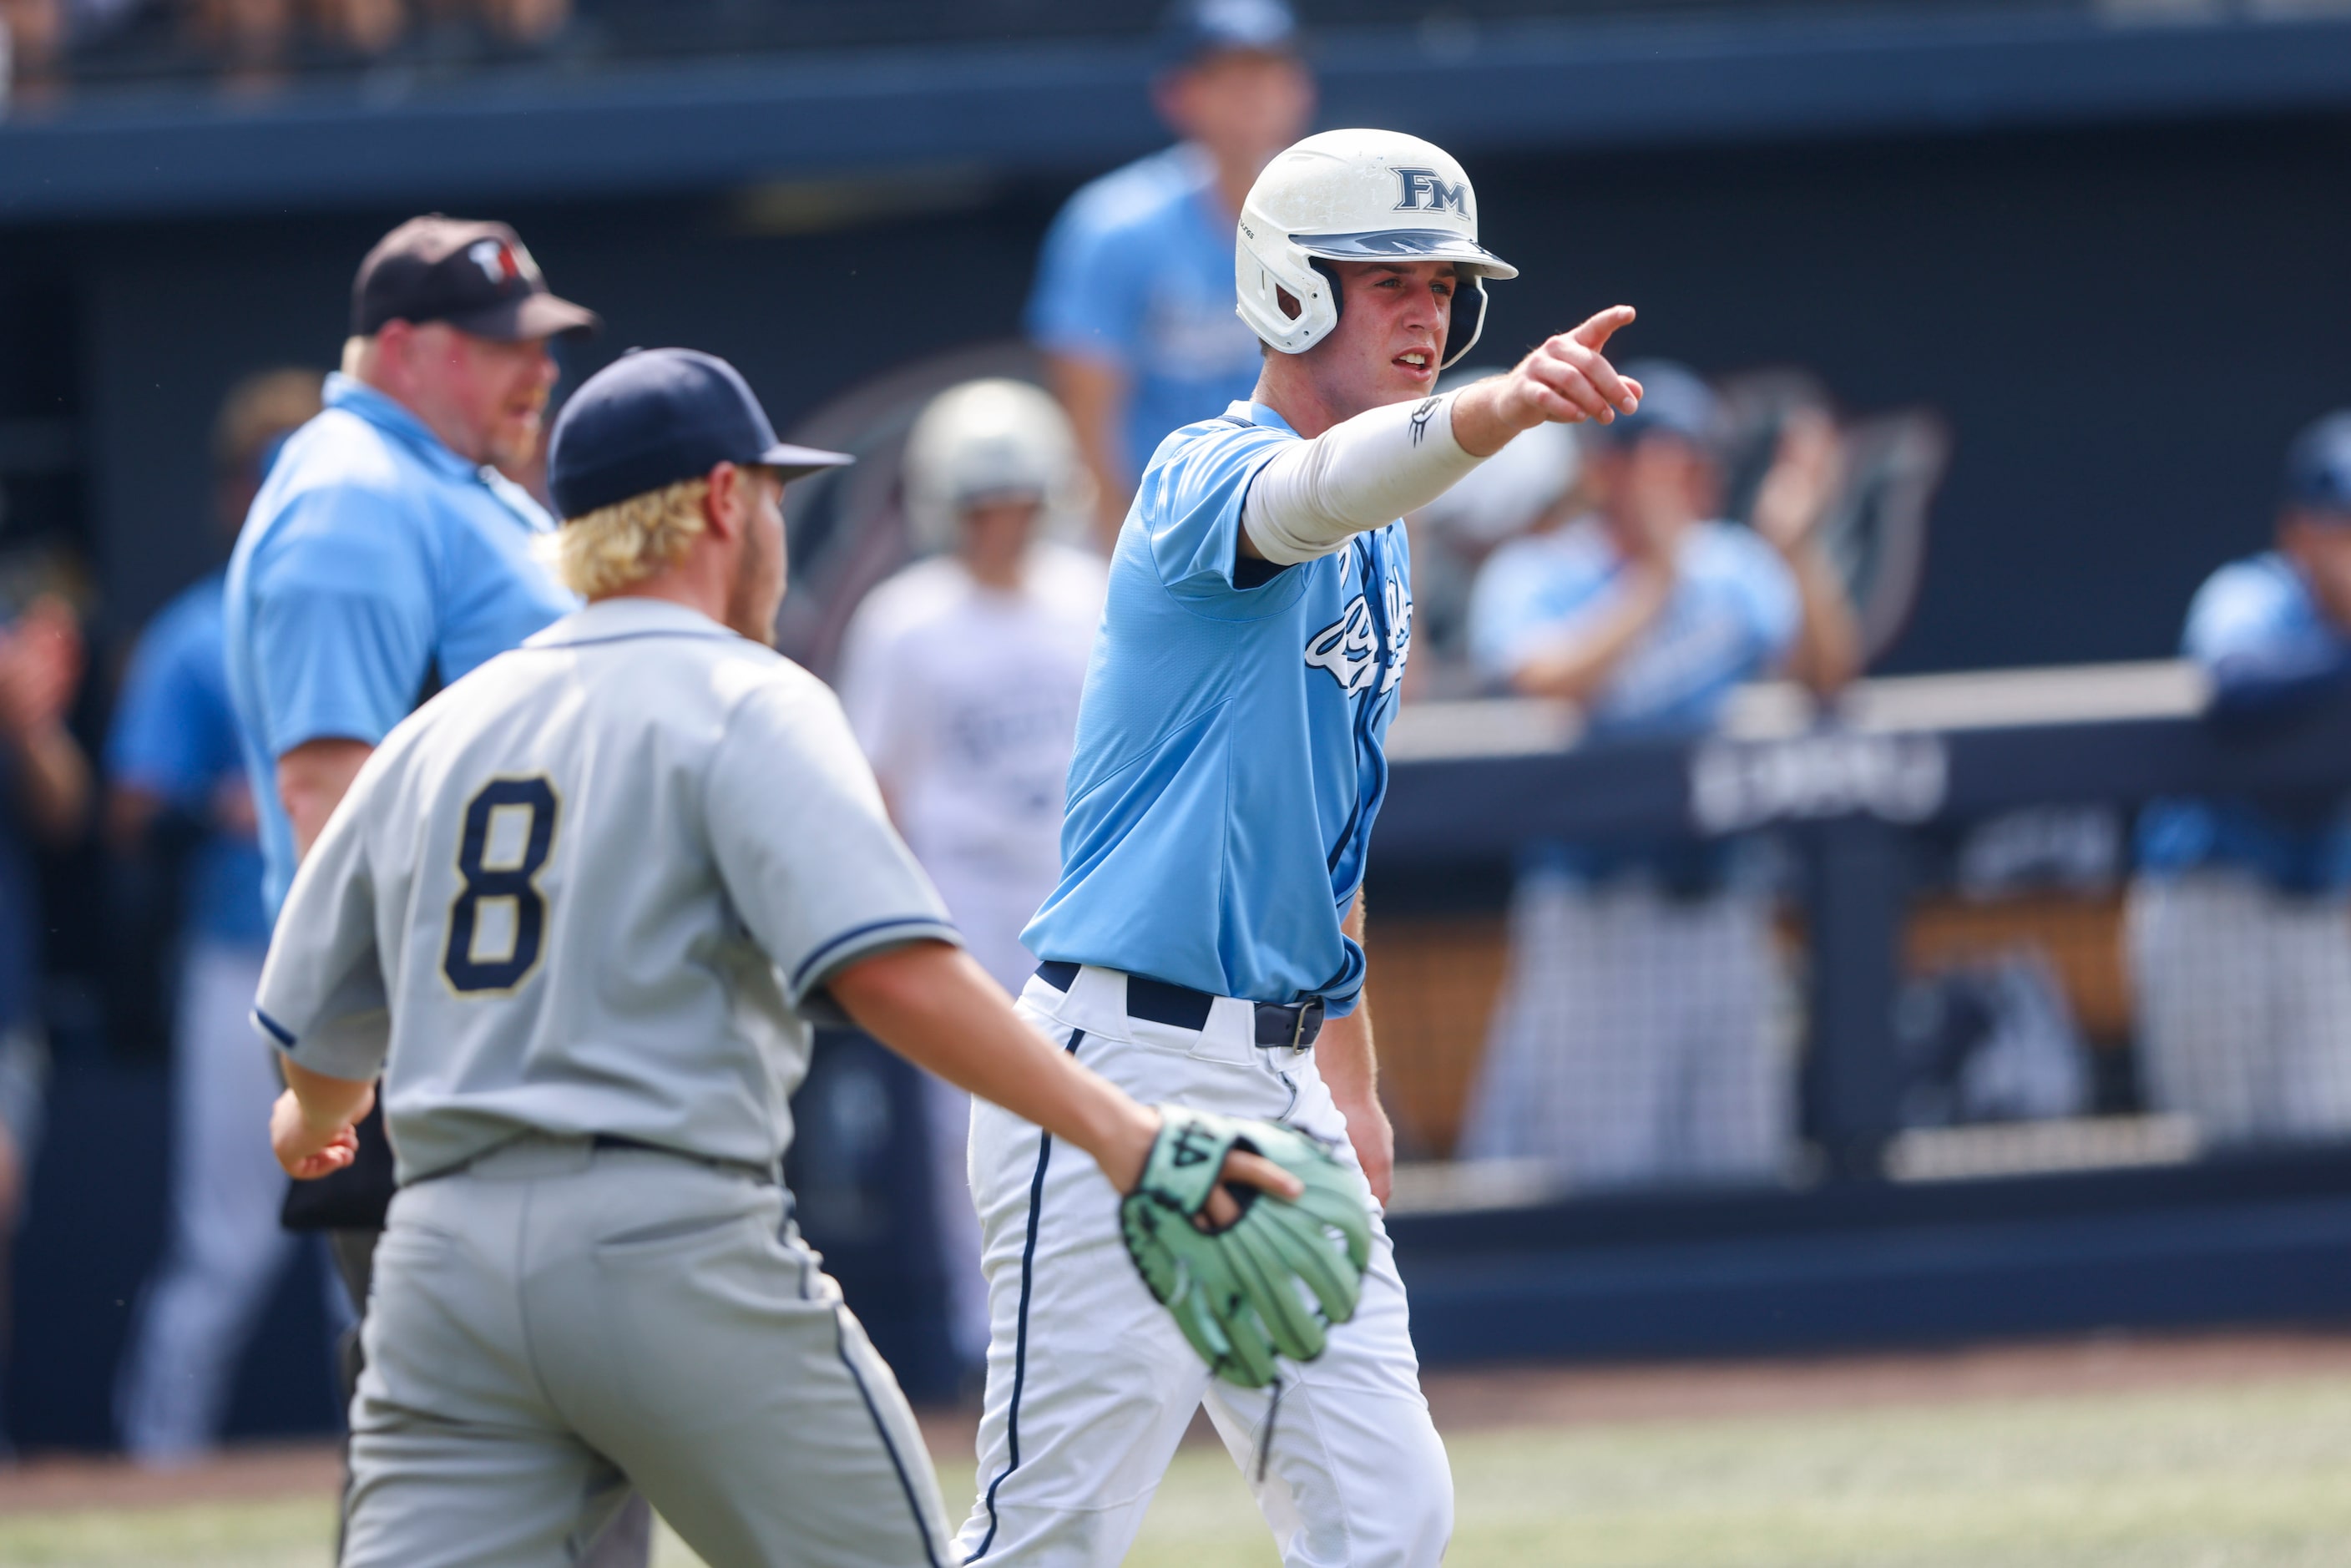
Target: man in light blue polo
385,557
1134,301
1203,941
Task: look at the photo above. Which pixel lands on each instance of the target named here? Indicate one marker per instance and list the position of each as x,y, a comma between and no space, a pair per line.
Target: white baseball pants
2244,1005
1635,1040
225,1249
1090,1383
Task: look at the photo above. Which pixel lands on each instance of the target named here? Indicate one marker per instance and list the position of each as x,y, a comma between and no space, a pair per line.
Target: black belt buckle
1295,1025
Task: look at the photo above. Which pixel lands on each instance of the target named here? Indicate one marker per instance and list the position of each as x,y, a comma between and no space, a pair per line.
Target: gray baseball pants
558,1321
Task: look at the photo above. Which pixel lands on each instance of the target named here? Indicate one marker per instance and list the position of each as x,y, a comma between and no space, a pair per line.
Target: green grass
2254,1476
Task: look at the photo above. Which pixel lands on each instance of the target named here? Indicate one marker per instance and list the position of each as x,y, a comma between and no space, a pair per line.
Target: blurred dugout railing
1831,1032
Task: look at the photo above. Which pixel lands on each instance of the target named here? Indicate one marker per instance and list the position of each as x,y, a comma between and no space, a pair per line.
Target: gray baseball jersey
590,888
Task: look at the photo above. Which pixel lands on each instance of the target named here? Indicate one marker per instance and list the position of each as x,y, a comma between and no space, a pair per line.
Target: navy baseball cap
1195,28
2318,465
1674,401
476,276
655,416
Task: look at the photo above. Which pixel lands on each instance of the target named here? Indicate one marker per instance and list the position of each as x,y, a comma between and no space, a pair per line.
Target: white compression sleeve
1359,474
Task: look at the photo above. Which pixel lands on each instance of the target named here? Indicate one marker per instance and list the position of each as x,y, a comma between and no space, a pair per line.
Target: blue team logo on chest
1348,649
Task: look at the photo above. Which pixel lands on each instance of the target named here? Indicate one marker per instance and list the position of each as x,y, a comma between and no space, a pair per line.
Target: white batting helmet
996,439
1356,195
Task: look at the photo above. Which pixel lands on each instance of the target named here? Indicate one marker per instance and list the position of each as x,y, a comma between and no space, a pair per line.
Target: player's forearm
934,1006
1361,472
1093,393
312,780
56,783
328,1103
1575,667
1827,654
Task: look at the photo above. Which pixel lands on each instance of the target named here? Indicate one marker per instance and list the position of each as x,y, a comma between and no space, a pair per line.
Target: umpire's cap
476,276
655,416
2318,465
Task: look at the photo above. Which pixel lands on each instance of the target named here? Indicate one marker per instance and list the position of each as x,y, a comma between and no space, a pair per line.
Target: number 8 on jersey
509,829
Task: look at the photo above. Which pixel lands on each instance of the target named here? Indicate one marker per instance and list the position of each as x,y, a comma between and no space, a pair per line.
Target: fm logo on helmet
1415,184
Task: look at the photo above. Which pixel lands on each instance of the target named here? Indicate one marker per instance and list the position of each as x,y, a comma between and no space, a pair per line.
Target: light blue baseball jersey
2254,624
174,735
1732,617
1228,762
375,565
1138,271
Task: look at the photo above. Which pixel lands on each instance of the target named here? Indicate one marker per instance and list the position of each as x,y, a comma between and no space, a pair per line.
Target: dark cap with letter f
655,416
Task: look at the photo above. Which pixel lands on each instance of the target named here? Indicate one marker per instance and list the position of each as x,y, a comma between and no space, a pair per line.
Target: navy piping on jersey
927,922
1020,1331
277,1031
905,1484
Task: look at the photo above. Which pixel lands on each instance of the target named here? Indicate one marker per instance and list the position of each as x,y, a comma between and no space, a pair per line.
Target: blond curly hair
606,549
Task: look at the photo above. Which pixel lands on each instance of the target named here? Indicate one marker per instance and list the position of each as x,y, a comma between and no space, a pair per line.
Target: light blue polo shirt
1732,616
375,565
2255,622
1137,271
1229,760
174,735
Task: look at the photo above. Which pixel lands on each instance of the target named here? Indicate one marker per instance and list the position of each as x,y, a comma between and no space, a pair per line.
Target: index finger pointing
1595,332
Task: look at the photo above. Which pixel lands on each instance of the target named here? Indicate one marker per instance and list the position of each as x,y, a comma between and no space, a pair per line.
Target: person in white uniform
1204,939
577,911
961,675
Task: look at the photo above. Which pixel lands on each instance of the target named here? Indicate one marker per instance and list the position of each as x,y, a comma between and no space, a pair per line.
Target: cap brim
1405,244
794,461
531,316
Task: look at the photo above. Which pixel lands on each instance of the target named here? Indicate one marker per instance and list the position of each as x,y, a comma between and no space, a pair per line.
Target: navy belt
1280,1026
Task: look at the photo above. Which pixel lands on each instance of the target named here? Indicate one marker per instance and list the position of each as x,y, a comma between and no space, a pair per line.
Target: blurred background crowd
2150,971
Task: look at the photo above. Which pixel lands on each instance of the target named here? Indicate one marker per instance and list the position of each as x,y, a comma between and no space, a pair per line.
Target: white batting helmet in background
997,439
1356,195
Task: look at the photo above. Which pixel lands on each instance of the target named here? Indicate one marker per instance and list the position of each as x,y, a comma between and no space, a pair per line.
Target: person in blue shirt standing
1634,1041
1203,942
387,555
2240,921
1132,306
176,772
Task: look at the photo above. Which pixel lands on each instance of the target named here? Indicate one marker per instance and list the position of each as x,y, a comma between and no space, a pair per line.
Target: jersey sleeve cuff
829,958
351,1048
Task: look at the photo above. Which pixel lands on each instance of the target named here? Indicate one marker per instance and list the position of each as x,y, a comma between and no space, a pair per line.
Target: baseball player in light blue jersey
2239,923
1634,1039
385,556
1133,304
578,912
1203,941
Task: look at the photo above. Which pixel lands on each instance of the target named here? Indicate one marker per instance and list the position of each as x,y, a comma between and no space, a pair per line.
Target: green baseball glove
1236,1292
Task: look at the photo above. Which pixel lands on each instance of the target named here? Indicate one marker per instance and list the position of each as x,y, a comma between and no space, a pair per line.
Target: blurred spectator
46,779
1523,487
1635,1039
961,675
1133,299
178,787
2240,926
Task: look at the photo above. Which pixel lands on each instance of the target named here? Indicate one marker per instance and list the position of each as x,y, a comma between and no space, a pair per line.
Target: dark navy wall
2123,327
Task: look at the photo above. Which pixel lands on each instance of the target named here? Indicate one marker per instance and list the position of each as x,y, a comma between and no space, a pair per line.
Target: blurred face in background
1652,490
996,532
482,397
1243,106
2319,543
